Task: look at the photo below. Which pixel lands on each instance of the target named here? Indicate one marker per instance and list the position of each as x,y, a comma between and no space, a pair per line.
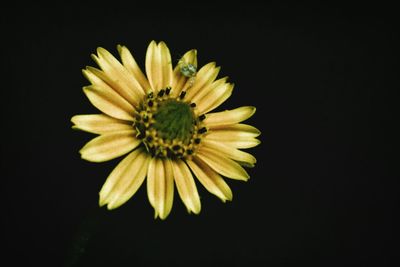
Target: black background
322,192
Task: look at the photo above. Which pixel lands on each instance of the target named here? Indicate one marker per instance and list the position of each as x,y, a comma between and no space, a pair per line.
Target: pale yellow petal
166,65
169,189
211,180
153,66
124,180
109,146
160,187
238,127
120,172
96,77
231,152
109,102
204,78
228,117
179,81
156,186
99,123
186,186
236,135
118,77
240,143
130,64
199,95
222,164
215,98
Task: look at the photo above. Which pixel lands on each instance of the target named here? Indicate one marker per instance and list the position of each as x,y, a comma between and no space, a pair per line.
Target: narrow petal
169,189
131,65
231,152
109,146
154,66
186,186
179,81
240,143
124,180
236,135
118,174
166,65
207,89
222,164
204,78
95,77
211,180
109,102
228,117
99,123
238,127
118,77
215,98
160,187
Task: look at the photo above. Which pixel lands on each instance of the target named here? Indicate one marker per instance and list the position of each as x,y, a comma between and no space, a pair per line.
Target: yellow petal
109,146
211,180
158,66
239,127
228,117
156,185
169,189
215,98
166,65
222,164
109,102
99,123
235,135
95,77
131,65
205,90
204,78
118,77
230,152
118,174
160,187
240,144
186,186
179,81
153,61
124,180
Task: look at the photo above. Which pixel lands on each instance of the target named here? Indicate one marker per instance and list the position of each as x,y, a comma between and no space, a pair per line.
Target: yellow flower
163,122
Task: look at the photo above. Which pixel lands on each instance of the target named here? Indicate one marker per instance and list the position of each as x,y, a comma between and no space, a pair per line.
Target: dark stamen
189,152
202,117
150,103
161,93
202,130
170,153
197,140
141,135
168,90
149,138
182,95
145,118
193,105
176,147
150,95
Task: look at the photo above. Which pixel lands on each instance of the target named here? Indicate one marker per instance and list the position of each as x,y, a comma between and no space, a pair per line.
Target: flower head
163,122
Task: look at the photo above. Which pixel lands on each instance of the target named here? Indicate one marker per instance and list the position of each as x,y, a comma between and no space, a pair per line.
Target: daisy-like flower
163,122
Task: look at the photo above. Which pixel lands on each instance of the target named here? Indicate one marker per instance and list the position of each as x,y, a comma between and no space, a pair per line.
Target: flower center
168,126
174,120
